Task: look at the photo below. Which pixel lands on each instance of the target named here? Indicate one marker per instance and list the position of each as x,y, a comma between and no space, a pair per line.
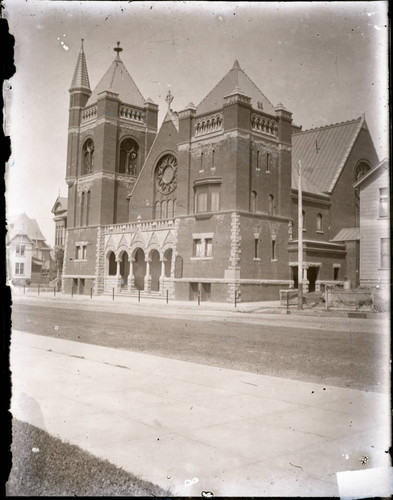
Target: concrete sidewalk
196,428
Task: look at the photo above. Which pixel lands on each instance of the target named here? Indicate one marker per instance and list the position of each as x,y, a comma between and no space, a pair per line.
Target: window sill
383,217
201,258
257,259
274,260
319,232
80,260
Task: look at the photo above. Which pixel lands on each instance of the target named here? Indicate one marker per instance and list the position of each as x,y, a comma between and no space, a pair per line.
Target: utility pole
300,239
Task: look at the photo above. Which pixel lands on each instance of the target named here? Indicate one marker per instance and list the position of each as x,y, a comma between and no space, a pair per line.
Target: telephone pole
300,239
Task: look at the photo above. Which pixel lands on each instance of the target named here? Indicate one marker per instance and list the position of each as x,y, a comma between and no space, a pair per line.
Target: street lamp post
300,239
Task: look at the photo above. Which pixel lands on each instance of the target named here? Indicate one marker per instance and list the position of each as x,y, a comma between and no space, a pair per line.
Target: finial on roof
236,65
169,98
82,40
118,49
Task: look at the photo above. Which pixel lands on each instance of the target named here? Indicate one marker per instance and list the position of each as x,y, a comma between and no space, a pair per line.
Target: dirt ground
346,359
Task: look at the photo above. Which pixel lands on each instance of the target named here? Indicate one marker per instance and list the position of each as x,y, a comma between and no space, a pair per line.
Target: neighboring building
374,226
333,158
208,204
60,217
28,254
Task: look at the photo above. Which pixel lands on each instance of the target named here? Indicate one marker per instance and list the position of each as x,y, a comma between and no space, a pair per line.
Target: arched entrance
111,264
168,262
124,269
139,269
155,270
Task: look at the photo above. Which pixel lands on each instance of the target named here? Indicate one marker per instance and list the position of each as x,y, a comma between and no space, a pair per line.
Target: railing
89,114
208,124
132,227
261,123
129,113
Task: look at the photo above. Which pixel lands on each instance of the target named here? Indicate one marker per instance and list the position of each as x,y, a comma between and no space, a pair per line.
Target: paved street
194,427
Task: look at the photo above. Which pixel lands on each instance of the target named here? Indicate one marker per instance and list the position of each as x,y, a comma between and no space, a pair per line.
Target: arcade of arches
144,270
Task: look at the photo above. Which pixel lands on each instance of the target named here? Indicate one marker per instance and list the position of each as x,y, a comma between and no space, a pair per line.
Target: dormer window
128,157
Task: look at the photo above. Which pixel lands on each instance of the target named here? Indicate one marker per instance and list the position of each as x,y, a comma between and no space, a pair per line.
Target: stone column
305,280
131,279
147,281
162,276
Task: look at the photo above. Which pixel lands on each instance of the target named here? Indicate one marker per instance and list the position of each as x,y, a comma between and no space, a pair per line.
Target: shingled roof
80,80
235,78
118,80
323,153
22,224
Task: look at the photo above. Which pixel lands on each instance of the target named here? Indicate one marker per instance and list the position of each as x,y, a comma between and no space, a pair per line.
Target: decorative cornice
86,179
208,124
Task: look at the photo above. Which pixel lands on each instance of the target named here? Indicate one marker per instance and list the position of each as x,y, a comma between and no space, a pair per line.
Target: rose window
166,174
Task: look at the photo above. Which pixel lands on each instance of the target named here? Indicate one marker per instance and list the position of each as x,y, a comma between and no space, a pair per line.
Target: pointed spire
236,65
80,79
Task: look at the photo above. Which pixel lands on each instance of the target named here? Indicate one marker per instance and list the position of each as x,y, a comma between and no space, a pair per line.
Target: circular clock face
166,174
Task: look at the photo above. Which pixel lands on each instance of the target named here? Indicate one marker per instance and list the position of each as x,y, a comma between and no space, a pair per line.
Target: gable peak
236,65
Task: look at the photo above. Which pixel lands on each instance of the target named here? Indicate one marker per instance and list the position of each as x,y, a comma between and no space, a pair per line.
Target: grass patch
43,465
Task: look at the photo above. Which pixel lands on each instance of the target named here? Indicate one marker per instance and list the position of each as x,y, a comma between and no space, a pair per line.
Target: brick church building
207,204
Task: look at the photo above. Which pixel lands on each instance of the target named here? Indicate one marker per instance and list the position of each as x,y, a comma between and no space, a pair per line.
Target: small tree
59,259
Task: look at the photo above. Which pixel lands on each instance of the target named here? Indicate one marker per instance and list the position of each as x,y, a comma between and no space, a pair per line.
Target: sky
327,62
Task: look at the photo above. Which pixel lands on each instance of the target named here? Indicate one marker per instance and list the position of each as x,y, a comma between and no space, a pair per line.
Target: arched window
253,207
82,208
319,223
88,157
304,219
361,169
128,157
157,214
170,209
164,213
165,183
87,207
271,206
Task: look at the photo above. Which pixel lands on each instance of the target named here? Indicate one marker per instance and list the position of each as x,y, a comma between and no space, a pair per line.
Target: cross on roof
169,98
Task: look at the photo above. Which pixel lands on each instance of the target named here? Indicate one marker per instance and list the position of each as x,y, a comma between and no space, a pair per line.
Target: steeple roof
118,80
80,80
236,78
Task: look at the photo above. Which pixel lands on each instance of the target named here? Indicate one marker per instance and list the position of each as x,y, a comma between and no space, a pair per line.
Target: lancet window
128,160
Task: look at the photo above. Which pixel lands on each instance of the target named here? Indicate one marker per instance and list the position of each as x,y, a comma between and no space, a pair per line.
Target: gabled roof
347,234
80,80
235,78
22,224
323,153
60,205
118,80
383,164
173,117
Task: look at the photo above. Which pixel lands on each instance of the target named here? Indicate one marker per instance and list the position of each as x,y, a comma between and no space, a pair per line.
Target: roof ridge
215,86
346,122
255,85
236,68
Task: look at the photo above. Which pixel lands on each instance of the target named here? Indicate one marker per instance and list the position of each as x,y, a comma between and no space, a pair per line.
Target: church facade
206,205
